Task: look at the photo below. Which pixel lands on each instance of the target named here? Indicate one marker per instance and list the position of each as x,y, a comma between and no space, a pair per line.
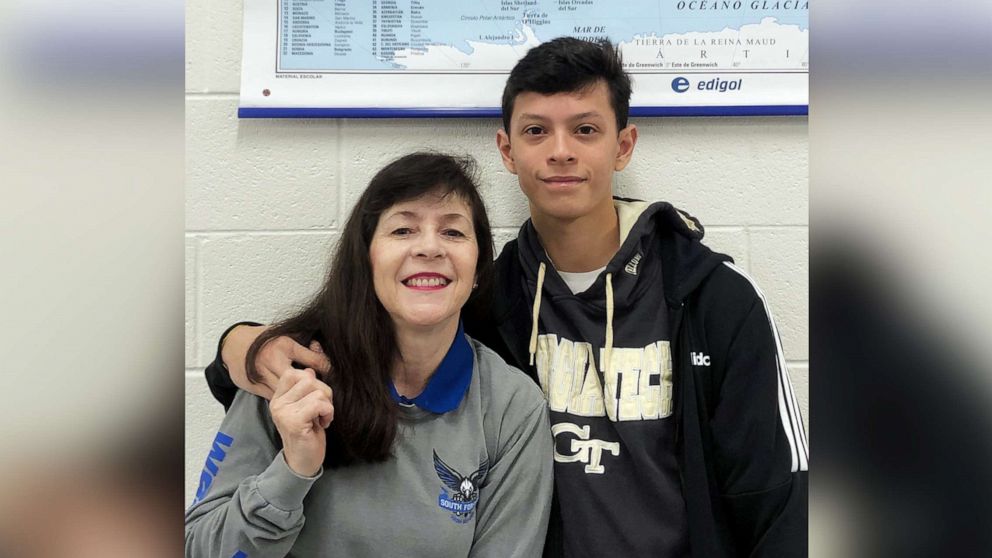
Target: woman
421,442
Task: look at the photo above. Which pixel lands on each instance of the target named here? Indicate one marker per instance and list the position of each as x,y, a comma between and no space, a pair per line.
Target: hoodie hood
657,243
660,256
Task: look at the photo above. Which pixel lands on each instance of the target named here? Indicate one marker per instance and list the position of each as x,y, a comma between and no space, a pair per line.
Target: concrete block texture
190,302
502,236
780,266
799,373
203,417
213,46
724,171
258,174
731,241
367,145
259,277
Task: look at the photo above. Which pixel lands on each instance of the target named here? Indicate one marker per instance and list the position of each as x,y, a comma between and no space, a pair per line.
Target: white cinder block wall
265,201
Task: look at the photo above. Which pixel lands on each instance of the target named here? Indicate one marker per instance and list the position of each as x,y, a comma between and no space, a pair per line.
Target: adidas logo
699,359
631,266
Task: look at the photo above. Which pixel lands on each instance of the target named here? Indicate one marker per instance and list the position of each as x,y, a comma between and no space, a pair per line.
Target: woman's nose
428,246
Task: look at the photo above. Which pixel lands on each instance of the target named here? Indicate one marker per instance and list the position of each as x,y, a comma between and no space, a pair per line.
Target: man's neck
421,351
586,243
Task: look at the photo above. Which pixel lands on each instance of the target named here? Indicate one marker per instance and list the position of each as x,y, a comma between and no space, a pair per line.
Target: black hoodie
693,439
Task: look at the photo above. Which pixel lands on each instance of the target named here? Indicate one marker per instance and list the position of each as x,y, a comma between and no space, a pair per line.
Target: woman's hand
302,408
273,360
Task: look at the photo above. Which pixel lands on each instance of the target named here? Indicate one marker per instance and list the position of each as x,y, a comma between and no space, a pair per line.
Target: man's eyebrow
584,115
580,116
531,116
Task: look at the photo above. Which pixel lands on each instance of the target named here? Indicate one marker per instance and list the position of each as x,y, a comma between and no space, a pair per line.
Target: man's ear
625,143
503,144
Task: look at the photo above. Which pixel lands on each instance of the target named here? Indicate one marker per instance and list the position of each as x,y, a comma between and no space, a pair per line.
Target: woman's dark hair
351,324
568,65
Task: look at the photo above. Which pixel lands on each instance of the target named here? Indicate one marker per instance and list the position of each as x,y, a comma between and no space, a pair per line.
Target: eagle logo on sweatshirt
459,494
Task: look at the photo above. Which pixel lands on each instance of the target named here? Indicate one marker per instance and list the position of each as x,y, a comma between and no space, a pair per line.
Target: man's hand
273,360
302,408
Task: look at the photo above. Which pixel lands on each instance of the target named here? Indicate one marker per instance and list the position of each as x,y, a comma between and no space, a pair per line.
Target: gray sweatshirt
473,481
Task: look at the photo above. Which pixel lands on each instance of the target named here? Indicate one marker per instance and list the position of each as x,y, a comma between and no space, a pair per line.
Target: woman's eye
402,231
454,233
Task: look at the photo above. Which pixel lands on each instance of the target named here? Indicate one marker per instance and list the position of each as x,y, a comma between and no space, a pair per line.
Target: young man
676,429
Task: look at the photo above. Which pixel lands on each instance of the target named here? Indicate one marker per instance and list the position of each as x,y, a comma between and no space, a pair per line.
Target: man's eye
533,130
585,130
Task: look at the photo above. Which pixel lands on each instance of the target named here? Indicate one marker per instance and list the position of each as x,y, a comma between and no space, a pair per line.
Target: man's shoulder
507,256
727,296
731,282
507,286
725,302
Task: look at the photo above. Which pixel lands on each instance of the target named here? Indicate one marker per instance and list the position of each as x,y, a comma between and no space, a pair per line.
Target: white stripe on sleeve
792,421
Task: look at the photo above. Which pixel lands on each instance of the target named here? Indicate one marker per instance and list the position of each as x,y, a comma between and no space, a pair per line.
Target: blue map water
345,35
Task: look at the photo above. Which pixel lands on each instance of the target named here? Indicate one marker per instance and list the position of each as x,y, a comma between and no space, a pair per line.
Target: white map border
266,92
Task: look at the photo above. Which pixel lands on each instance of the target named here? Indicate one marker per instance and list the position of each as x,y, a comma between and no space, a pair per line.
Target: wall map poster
312,58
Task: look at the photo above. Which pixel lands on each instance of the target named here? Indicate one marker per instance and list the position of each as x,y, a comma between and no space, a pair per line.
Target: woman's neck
421,351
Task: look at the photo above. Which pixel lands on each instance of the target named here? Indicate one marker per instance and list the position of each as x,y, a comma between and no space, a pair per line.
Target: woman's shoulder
505,385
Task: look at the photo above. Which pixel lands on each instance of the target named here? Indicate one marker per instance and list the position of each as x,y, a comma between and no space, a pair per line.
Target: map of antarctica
489,36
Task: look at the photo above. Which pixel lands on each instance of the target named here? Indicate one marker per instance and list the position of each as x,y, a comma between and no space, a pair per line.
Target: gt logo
583,449
699,359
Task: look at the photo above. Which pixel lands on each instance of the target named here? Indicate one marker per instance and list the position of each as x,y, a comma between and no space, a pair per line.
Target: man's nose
562,150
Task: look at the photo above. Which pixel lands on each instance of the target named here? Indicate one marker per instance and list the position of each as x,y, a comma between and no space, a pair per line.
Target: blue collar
448,384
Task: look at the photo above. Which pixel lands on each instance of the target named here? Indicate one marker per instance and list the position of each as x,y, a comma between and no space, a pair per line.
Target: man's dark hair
568,65
347,310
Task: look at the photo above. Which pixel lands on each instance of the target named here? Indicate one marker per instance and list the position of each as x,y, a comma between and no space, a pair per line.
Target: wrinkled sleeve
760,442
249,503
515,500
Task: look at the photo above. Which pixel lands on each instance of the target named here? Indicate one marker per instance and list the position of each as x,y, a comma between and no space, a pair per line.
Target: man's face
564,149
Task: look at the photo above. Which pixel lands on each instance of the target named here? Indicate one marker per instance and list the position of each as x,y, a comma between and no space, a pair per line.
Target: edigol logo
680,85
721,85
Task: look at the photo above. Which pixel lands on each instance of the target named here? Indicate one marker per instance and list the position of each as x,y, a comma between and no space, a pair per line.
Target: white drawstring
609,322
535,313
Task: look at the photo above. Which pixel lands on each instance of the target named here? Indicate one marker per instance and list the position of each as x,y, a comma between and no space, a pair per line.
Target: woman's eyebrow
455,216
405,214
413,215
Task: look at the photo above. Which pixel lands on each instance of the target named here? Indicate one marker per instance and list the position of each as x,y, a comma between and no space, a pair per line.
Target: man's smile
562,181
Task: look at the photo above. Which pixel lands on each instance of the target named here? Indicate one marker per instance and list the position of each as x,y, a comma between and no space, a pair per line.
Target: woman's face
424,254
